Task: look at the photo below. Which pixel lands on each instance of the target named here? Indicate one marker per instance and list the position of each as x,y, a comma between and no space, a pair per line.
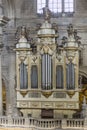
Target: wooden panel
47,113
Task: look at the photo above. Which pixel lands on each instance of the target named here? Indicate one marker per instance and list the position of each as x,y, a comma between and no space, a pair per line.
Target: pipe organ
47,79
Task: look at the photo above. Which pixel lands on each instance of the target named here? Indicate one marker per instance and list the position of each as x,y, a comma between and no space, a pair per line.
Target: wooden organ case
47,80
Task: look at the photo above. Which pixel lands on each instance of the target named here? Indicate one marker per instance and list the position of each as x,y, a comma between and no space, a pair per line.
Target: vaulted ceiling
9,8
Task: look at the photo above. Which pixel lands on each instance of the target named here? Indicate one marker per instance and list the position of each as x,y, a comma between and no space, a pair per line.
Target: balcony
43,124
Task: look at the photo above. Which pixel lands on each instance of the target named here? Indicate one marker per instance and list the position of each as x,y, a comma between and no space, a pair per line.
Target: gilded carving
71,106
45,49
35,105
59,105
47,105
47,93
70,93
22,55
23,104
34,59
23,92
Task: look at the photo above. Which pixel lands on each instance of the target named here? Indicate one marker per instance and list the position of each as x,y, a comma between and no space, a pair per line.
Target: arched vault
9,8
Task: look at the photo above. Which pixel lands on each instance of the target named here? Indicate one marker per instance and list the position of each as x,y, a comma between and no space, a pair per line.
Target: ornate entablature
52,71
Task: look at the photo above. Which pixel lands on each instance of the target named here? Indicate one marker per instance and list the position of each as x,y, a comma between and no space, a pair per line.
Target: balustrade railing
41,123
75,123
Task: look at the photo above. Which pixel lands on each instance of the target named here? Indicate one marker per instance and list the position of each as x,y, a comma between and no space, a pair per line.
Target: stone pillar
12,84
1,111
83,112
64,124
3,21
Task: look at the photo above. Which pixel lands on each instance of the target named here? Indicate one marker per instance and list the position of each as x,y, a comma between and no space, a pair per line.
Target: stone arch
83,79
82,73
83,92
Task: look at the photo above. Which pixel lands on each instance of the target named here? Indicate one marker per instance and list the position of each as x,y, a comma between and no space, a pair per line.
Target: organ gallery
47,72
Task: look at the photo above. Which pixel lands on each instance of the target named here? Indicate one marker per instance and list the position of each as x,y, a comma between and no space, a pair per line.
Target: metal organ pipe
70,76
50,71
43,72
46,72
23,76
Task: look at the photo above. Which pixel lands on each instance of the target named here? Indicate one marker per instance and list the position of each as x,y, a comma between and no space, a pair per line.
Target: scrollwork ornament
71,93
22,55
58,57
34,59
70,55
45,49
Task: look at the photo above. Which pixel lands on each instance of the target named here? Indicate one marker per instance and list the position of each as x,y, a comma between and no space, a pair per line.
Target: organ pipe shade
23,76
34,77
46,72
70,76
59,77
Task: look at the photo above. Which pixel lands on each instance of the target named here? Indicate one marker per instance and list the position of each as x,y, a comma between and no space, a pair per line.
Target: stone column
11,73
3,21
1,111
1,46
12,84
64,124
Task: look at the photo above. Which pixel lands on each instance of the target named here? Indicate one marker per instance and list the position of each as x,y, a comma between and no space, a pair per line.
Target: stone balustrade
41,123
75,123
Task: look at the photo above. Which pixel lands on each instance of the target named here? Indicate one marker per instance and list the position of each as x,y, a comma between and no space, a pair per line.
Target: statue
70,30
21,32
46,13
